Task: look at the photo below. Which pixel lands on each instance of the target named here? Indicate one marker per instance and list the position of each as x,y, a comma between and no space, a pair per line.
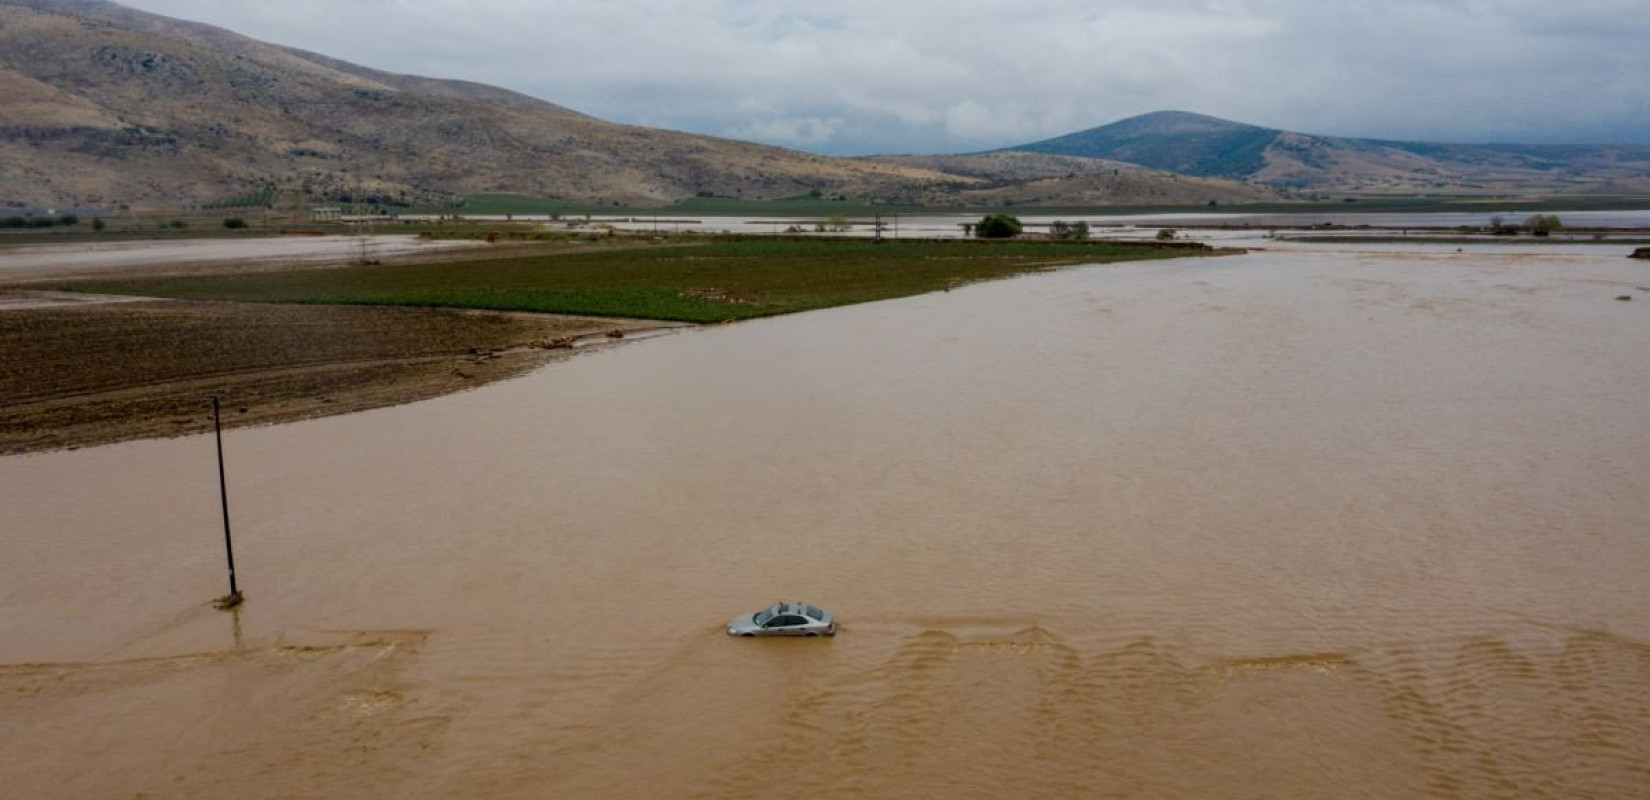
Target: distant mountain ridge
100,103
1195,144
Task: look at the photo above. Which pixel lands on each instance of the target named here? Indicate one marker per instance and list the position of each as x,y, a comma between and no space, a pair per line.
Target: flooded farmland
1297,524
36,262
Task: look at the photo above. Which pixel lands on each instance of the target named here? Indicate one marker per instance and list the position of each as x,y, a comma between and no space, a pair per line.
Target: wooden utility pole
234,598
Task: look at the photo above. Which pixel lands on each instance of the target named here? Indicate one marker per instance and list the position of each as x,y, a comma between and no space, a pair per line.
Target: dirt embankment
83,373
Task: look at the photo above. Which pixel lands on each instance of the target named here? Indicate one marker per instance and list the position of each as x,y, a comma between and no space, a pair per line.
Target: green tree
234,223
98,224
998,226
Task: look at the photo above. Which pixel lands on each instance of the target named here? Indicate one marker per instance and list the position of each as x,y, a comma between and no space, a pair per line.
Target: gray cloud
858,76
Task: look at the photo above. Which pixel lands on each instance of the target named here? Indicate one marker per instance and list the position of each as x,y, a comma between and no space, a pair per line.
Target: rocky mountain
101,104
1193,144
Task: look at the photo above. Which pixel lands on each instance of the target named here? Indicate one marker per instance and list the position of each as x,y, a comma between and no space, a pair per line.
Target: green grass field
715,282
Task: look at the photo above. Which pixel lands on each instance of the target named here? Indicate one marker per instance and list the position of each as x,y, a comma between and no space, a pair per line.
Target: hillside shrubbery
38,222
998,226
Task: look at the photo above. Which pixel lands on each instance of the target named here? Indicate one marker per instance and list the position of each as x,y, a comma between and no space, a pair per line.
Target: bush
98,224
1543,224
1069,230
38,222
177,225
998,226
1499,226
1166,235
234,223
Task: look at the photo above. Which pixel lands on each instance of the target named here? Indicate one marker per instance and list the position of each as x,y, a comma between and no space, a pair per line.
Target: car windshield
763,616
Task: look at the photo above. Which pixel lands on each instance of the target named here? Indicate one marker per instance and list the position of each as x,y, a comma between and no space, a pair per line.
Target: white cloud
931,75
792,132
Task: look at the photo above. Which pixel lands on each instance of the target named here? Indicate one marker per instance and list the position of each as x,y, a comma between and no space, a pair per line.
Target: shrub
234,223
1069,230
1543,224
98,224
1166,235
177,225
68,219
998,226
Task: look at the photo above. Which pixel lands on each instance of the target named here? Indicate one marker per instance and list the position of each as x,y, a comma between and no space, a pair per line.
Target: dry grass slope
101,103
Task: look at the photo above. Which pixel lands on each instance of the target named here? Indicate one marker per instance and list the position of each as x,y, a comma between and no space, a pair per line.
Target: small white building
326,214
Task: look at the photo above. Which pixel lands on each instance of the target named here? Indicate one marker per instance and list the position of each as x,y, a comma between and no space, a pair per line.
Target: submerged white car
784,619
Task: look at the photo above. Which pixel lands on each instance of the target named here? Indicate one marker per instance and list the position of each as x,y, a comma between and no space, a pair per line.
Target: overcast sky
864,76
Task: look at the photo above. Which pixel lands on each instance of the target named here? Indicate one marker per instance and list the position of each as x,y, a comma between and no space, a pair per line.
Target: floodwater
42,261
1296,524
950,226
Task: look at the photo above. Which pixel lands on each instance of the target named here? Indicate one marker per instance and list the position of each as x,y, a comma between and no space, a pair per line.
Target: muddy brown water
1287,525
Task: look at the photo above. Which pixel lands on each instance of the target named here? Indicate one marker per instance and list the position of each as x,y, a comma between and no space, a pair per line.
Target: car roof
798,608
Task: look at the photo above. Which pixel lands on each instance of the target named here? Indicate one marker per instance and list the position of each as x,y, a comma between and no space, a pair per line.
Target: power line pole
234,597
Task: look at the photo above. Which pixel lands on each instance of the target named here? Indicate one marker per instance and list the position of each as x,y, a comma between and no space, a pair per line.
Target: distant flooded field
83,258
1307,523
1111,225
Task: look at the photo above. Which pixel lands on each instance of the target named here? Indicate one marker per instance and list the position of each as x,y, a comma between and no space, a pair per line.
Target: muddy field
88,371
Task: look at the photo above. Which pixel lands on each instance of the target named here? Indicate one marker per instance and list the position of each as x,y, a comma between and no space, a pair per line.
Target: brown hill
100,103
1023,178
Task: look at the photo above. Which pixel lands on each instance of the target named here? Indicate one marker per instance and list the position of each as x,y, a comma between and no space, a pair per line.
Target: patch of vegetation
1543,224
716,282
1076,231
39,222
263,197
998,226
